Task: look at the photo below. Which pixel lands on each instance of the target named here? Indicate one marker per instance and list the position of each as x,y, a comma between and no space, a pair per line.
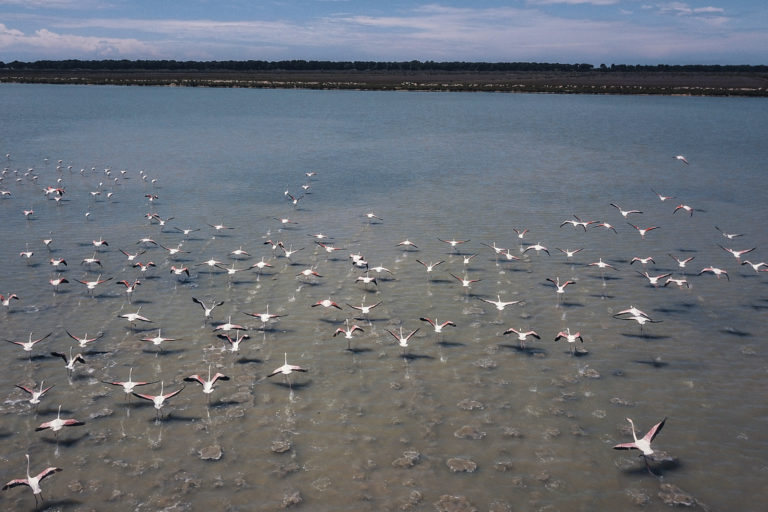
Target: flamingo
643,444
681,158
568,252
570,338
326,303
522,335
229,326
401,339
56,281
264,317
29,344
133,317
158,340
207,383
716,271
736,254
85,340
653,280
560,288
207,310
662,197
500,304
407,243
35,395
33,482
537,247
643,231
6,301
729,236
430,266
130,287
234,344
438,327
578,223
682,262
679,282
364,310
91,285
755,266
684,207
643,261
624,213
158,400
465,283
58,423
128,385
286,369
348,331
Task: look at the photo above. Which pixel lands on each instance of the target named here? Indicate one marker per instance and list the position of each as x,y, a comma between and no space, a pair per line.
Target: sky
565,31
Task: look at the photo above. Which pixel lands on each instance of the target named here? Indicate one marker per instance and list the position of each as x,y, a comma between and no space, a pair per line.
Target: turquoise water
538,423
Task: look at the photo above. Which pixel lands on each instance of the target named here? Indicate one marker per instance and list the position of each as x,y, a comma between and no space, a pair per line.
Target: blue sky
570,31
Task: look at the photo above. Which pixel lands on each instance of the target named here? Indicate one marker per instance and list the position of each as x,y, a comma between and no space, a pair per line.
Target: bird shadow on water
652,362
529,351
66,443
736,332
356,351
292,385
645,336
444,343
249,360
414,357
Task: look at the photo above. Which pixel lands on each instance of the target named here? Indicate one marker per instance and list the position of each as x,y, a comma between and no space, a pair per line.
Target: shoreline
742,84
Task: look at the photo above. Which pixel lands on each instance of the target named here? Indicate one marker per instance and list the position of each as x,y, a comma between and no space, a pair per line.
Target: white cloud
57,45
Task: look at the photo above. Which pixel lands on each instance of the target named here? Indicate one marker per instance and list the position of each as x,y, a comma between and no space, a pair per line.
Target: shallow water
377,427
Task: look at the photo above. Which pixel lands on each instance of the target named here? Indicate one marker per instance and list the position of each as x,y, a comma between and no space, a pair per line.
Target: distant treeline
322,65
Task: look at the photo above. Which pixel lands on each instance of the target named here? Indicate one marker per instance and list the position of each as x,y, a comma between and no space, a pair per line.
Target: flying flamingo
326,303
229,326
348,331
736,254
537,247
33,482
286,369
661,197
158,400
35,395
158,340
500,304
729,236
624,213
84,340
58,424
716,271
133,317
402,340
653,280
681,158
234,344
522,335
130,287
364,310
684,207
264,317
430,266
643,231
206,308
128,385
643,444
28,345
570,338
70,360
559,288
207,383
